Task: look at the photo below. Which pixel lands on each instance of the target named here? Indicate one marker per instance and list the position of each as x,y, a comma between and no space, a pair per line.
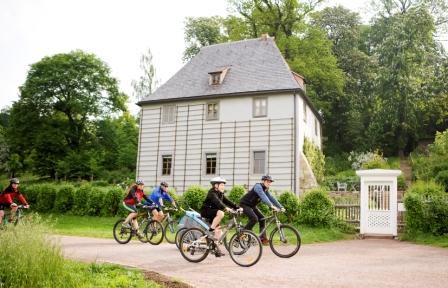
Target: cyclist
157,196
134,197
7,199
249,202
213,206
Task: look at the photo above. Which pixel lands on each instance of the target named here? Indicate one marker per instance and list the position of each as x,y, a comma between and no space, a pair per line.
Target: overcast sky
118,32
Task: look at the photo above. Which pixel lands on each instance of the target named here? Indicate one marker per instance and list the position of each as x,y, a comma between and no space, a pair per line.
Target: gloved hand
283,210
275,208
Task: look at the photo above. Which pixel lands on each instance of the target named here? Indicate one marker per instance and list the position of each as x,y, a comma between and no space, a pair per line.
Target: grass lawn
427,239
101,227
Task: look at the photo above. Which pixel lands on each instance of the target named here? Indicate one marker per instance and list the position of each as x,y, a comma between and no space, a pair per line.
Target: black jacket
251,198
217,200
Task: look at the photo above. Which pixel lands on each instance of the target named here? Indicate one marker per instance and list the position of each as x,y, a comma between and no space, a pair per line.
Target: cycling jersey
158,195
135,196
8,195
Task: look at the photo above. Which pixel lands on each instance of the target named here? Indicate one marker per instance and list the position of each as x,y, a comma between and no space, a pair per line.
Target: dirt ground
353,263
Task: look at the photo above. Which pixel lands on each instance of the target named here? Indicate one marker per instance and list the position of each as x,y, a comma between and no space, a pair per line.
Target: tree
148,82
60,99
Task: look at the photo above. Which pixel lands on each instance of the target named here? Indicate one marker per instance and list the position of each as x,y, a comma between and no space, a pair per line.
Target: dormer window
217,77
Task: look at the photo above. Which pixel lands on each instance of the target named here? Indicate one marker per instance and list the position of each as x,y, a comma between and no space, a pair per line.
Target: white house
235,110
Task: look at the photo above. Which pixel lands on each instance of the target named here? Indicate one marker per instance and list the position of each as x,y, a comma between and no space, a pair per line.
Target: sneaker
140,235
264,242
126,225
218,252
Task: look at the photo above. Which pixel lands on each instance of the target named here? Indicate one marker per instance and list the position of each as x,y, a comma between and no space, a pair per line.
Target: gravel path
354,263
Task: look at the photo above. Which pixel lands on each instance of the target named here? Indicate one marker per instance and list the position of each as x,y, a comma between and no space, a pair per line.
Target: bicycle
283,237
195,242
123,234
171,227
17,217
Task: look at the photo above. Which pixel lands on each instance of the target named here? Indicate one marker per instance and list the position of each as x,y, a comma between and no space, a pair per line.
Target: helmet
140,182
163,183
267,178
14,180
218,180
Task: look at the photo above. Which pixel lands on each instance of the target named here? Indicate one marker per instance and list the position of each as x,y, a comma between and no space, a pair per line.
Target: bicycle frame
269,220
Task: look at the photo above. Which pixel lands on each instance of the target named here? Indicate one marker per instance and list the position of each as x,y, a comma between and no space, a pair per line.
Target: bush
336,163
194,197
43,196
291,203
401,182
317,208
236,193
95,201
64,198
316,159
426,188
367,160
442,178
80,199
113,197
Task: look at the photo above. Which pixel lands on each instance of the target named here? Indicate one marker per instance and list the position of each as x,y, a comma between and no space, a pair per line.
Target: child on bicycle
213,206
133,197
7,199
157,196
249,202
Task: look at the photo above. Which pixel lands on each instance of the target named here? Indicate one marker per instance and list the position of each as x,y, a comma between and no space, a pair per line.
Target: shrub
442,178
44,196
113,197
316,159
317,208
336,163
236,193
291,203
367,160
95,201
80,199
194,197
64,198
401,182
426,188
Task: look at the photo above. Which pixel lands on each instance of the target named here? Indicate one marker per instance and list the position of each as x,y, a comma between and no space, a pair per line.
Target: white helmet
218,180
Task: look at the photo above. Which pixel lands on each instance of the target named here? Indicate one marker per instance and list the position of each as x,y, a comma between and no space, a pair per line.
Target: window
212,111
259,162
260,107
166,164
210,159
168,114
215,78
304,111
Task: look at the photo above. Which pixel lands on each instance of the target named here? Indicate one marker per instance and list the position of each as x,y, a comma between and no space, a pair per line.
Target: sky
118,32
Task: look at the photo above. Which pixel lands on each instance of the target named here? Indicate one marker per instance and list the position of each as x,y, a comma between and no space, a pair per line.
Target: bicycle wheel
285,242
194,245
245,248
143,224
122,234
170,230
178,235
154,232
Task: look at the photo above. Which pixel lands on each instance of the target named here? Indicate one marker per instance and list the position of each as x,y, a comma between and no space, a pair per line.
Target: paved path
355,263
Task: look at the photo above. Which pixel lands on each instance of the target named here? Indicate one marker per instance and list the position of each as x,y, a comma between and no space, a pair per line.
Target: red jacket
8,195
134,196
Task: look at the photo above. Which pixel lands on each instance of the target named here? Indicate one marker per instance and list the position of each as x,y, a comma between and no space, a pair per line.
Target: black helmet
14,180
267,178
163,183
218,180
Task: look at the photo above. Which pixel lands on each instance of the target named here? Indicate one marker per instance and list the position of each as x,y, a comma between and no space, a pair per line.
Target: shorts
209,214
130,208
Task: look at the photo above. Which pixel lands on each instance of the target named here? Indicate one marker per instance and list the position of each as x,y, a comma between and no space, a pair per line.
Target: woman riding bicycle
249,202
213,206
134,197
7,199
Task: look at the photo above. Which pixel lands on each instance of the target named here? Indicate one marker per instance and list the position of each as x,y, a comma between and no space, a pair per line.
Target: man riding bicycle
7,199
249,202
157,196
134,197
213,206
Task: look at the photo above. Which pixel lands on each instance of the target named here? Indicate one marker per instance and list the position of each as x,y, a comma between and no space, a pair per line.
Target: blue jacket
259,193
158,195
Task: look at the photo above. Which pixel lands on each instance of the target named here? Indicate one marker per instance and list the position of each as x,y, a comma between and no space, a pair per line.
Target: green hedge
426,208
194,197
317,209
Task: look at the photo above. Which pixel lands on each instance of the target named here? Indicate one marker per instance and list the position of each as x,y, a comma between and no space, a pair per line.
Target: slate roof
255,66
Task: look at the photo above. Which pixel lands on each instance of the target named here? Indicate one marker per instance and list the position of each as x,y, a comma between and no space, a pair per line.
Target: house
235,110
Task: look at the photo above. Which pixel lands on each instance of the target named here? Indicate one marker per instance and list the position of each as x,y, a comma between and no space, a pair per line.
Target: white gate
378,202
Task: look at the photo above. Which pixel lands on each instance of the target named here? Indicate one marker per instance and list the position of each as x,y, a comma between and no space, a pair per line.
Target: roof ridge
237,42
